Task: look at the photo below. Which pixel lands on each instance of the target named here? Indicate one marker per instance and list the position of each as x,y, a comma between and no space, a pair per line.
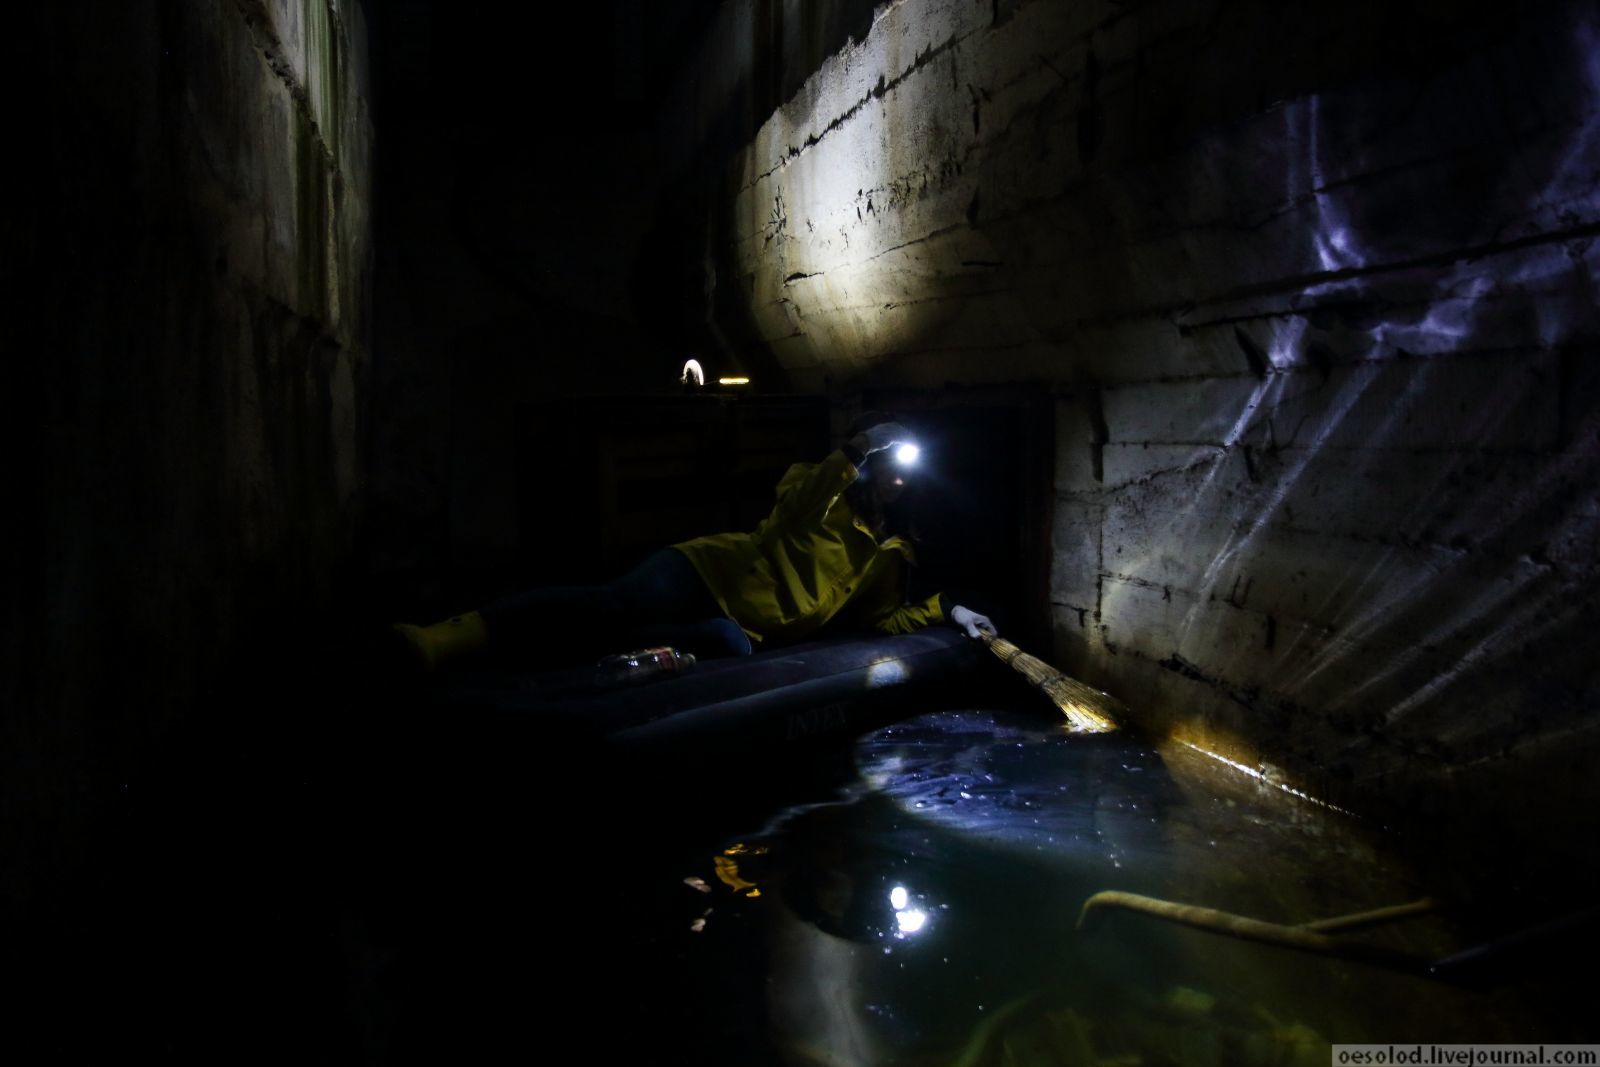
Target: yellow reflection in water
728,874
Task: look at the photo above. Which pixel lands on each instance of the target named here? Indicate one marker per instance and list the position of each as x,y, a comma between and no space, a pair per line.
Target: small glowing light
886,671
911,920
692,374
733,381
906,455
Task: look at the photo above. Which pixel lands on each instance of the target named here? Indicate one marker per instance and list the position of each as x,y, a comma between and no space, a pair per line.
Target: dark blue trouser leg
662,600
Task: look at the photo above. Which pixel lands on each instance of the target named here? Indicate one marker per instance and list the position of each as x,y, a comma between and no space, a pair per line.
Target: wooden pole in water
1088,710
1318,937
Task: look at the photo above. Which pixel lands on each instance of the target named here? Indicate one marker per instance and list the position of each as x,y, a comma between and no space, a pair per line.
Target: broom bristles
1088,710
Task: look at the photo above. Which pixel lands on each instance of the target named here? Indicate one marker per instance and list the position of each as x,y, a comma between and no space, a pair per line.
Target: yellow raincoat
810,562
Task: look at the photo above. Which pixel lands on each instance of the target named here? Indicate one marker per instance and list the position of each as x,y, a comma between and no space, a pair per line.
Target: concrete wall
187,251
1316,295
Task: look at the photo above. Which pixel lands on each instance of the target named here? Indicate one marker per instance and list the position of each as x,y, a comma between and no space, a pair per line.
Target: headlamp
906,455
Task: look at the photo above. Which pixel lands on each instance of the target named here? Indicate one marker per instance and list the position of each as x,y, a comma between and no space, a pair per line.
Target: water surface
928,914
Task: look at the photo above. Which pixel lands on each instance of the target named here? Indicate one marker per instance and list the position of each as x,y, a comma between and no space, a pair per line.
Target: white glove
883,435
966,619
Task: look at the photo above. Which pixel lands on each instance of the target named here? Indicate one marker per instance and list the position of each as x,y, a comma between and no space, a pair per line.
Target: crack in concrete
1144,583
922,59
1026,111
1256,356
258,23
1105,492
1254,223
1298,283
1365,307
1095,403
1247,696
1409,450
933,236
904,303
877,92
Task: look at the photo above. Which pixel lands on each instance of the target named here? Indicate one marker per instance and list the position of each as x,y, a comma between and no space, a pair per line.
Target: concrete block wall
188,257
1315,291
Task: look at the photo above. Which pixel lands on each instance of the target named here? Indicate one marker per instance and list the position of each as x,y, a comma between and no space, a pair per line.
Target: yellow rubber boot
445,642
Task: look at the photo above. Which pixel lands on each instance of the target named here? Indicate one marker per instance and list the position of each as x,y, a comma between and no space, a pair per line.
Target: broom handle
1086,708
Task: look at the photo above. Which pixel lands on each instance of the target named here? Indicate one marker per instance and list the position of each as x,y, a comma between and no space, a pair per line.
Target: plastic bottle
630,668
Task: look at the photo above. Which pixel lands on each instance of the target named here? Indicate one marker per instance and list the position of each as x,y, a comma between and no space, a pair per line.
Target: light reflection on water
928,916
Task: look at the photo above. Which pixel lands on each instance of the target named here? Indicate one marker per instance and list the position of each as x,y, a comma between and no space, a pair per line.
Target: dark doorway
983,509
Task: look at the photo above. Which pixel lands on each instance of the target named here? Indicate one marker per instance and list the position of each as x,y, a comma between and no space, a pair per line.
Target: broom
1088,710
